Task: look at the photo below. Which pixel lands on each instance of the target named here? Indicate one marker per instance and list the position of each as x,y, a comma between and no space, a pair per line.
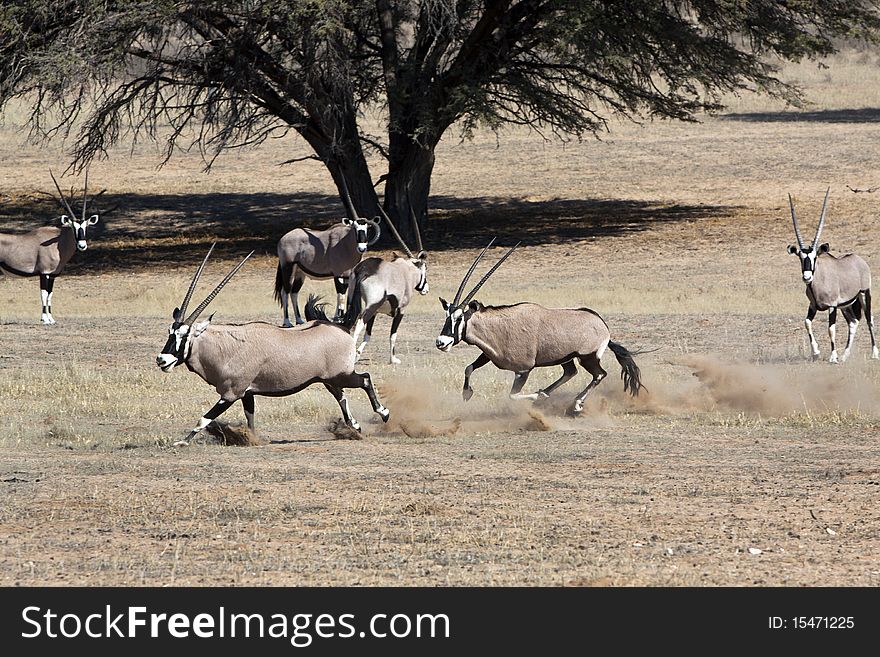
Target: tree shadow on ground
161,229
862,115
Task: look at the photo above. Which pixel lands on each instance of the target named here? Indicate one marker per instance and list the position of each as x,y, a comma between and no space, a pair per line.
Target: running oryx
243,360
833,283
45,251
388,286
322,254
524,336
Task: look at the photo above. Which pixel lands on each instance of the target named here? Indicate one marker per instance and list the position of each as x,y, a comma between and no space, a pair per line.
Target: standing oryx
322,254
833,283
388,286
243,360
524,336
45,251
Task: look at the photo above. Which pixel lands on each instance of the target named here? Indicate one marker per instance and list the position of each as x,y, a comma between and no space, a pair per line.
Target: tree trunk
407,189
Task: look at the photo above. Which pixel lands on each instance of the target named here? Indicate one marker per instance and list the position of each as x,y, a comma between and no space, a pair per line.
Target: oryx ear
176,315
824,248
475,306
443,303
200,327
792,249
65,220
93,220
346,221
422,255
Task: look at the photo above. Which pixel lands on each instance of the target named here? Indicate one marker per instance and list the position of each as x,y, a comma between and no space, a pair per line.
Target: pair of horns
192,286
415,223
467,299
797,230
64,199
352,213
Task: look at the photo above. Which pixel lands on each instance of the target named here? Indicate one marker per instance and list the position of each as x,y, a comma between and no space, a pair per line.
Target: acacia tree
223,74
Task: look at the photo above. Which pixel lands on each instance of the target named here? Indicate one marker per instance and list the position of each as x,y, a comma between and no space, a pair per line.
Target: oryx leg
366,319
341,283
592,365
216,410
47,282
363,381
519,380
467,392
808,322
339,395
569,370
869,319
295,287
248,402
832,332
851,315
395,323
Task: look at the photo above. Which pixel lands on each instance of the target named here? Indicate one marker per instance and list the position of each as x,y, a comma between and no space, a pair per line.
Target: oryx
45,251
244,360
524,336
322,254
387,286
833,282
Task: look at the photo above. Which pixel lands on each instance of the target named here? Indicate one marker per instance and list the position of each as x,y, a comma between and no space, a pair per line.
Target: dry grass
675,233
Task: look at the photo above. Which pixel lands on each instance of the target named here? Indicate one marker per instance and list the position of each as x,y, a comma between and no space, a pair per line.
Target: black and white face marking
361,229
79,229
176,347
808,256
422,285
453,328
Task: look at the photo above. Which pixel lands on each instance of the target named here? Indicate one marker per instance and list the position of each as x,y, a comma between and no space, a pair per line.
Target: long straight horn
195,281
797,231
395,233
85,194
488,274
822,218
415,222
470,271
346,198
63,199
208,299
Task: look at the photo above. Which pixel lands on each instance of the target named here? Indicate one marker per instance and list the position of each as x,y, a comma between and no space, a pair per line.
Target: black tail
282,280
630,372
315,310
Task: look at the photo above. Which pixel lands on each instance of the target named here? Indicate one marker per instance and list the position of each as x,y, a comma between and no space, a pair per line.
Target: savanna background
742,464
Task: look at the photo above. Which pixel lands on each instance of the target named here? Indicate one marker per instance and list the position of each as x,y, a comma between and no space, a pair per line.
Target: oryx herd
242,361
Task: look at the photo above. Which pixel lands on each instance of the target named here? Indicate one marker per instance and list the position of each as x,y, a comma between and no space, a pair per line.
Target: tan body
267,360
837,281
386,286
527,335
44,251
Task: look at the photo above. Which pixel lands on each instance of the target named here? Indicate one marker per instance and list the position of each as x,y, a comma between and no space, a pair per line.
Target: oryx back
320,253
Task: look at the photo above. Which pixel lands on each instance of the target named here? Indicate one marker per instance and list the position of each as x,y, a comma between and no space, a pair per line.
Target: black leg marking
569,370
341,284
467,392
295,287
339,395
808,323
519,380
216,410
363,381
869,318
370,325
395,323
832,333
248,402
592,365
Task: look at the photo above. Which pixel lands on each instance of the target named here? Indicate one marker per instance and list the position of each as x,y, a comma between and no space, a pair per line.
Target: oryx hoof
467,393
575,410
47,320
395,360
181,443
541,396
384,413
834,360
286,324
814,357
875,354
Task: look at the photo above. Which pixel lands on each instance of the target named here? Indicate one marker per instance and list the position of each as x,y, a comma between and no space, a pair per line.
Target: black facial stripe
81,233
